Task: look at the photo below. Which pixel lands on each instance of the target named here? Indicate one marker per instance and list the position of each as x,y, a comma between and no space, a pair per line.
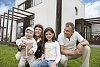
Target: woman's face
37,31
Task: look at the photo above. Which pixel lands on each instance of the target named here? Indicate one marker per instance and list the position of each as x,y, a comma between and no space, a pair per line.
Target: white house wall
81,9
45,13
68,11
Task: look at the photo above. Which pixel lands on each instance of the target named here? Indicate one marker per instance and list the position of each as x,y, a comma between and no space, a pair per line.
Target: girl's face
49,35
29,34
37,31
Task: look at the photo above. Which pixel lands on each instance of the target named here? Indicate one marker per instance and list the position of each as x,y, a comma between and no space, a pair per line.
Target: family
40,48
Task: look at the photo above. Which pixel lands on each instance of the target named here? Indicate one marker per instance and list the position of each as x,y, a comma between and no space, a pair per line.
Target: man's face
68,32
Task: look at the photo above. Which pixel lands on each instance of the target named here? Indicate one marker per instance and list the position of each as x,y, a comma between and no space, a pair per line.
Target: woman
38,35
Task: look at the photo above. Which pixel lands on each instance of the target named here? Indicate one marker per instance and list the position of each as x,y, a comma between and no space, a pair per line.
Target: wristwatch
81,43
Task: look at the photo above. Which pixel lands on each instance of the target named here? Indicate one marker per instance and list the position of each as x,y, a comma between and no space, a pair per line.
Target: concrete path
92,45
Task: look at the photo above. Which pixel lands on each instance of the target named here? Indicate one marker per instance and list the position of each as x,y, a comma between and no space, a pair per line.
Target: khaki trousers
85,57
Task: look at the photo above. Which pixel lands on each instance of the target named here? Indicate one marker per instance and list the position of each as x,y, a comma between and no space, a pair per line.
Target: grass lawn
7,57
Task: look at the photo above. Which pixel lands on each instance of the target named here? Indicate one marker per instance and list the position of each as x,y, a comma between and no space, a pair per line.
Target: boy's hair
70,24
29,28
52,31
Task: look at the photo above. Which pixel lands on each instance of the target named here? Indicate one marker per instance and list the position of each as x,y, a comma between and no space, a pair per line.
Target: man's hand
77,52
73,52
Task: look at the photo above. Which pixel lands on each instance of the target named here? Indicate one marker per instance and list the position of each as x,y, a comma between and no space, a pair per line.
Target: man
69,47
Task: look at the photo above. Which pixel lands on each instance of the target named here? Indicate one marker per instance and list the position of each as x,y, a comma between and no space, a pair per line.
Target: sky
92,7
5,5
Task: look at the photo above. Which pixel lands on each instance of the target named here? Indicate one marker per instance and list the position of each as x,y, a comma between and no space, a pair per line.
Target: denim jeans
50,62
39,63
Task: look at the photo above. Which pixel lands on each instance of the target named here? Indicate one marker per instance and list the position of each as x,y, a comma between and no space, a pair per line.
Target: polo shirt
70,43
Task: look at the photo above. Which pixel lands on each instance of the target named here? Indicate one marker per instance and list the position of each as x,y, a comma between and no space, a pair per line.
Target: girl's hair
40,26
52,31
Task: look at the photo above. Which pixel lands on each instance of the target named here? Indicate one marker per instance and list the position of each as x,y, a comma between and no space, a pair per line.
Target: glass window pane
37,2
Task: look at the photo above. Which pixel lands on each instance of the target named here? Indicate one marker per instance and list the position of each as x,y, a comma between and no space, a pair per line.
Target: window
29,3
36,2
32,21
19,29
76,11
22,6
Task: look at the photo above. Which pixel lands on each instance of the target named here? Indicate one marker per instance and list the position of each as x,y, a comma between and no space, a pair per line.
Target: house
49,13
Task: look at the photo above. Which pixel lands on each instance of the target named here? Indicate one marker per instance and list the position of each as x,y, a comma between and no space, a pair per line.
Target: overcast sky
92,7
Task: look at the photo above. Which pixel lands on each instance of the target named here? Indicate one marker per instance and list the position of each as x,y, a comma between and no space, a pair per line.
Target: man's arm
81,44
84,42
66,52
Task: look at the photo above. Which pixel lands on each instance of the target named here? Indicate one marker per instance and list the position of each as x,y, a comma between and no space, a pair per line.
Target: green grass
7,57
94,59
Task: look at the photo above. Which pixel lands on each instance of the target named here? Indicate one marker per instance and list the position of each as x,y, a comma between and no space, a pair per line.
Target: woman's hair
52,31
41,36
40,26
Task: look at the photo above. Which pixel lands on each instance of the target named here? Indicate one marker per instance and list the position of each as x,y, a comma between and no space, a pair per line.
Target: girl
52,48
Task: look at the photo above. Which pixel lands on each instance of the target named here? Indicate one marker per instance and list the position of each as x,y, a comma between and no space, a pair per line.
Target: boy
28,47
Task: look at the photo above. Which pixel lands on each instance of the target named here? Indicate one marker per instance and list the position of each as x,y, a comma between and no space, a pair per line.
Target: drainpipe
58,17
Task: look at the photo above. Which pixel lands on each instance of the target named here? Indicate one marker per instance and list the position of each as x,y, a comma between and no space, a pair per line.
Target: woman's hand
30,52
42,57
23,45
53,64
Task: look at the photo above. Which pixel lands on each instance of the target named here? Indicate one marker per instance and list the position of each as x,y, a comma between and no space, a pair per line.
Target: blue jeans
39,63
50,62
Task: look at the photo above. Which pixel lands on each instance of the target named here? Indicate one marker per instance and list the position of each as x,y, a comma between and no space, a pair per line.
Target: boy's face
28,34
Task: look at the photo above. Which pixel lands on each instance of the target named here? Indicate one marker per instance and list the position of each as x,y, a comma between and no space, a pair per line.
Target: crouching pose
69,47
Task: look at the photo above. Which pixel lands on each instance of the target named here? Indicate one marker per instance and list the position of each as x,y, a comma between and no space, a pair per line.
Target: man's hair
70,24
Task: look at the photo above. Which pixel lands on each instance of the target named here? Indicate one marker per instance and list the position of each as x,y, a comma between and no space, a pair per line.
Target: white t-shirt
52,51
70,43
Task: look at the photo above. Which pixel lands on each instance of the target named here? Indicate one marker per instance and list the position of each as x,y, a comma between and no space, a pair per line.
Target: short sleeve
79,37
60,39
